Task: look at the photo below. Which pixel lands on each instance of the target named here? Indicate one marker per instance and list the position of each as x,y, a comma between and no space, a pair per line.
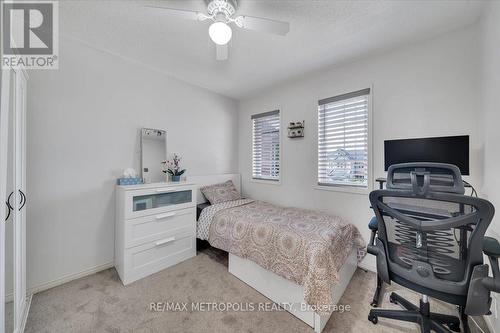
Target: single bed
302,259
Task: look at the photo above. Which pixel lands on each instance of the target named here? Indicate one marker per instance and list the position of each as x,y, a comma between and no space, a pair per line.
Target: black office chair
430,239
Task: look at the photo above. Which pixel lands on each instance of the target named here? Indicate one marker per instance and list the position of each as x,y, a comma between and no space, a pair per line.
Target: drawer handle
162,190
162,216
165,241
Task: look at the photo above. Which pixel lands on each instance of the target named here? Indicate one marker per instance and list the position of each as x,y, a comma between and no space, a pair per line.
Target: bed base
280,290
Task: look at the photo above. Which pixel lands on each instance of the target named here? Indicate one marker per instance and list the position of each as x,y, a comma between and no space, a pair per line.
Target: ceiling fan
221,13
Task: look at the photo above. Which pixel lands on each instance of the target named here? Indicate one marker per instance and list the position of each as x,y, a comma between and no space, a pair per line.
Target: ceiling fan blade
222,52
263,25
182,13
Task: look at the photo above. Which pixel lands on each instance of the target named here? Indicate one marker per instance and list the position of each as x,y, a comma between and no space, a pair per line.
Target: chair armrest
373,224
491,247
481,285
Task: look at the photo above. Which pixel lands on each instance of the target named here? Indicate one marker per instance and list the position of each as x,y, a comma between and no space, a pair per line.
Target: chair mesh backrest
431,231
440,248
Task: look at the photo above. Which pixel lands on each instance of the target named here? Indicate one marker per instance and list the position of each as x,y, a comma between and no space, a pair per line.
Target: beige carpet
100,303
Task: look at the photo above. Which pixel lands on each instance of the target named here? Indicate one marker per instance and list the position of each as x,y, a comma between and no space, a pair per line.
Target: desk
382,180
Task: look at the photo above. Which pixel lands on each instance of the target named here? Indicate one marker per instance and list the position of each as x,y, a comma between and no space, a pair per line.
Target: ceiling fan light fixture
221,13
220,33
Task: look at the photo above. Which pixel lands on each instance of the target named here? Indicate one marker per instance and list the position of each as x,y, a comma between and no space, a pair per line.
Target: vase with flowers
173,168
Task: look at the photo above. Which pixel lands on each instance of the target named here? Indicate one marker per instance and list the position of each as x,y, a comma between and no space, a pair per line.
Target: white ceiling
323,33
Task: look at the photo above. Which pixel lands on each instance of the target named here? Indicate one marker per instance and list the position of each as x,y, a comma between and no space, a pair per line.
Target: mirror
153,152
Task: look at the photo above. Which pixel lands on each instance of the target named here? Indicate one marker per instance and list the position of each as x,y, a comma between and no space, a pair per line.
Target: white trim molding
69,277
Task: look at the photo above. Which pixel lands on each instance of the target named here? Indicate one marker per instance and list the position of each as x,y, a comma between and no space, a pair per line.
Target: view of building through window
343,140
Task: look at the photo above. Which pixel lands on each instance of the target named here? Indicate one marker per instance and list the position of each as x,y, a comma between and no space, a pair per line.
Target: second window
343,140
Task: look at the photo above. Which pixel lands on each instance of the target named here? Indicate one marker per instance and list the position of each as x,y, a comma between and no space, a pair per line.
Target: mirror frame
145,132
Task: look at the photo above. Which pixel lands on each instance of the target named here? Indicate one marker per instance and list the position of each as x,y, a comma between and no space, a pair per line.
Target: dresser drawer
154,227
146,259
158,200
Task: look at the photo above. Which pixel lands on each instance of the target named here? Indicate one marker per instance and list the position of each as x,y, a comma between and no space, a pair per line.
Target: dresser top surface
153,185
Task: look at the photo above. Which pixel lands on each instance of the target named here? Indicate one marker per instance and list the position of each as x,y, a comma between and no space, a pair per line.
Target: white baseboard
69,277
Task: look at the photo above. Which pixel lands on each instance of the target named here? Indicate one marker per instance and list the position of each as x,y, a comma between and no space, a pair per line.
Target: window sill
344,189
265,181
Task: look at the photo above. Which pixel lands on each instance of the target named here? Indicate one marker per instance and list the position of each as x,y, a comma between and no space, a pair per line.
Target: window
343,140
266,146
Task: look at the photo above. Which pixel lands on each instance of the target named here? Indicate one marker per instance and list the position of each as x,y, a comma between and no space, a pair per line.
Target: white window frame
261,180
349,188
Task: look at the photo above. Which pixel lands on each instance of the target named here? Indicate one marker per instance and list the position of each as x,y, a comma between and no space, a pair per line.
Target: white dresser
155,228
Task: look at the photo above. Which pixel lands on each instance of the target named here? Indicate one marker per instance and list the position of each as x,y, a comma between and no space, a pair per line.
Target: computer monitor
446,149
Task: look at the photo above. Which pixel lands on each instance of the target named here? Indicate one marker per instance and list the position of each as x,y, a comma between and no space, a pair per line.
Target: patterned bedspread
304,246
207,216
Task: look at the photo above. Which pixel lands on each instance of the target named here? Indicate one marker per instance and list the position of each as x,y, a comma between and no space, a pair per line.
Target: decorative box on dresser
155,228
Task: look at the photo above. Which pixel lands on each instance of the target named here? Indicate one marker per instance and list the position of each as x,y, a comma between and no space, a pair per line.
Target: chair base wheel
421,315
454,327
373,319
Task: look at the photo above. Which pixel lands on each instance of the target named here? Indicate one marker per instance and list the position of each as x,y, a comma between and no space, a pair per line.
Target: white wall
427,89
83,122
490,80
490,90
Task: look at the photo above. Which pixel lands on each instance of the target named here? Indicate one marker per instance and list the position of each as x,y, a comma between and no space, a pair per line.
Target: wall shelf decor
296,129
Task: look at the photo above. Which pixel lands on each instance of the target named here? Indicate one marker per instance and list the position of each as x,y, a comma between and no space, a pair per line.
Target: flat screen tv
446,149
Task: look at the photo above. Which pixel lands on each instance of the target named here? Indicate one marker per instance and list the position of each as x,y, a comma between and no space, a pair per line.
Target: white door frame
4,134
19,215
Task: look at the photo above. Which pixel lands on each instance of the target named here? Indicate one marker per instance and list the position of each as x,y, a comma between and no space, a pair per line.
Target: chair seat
444,267
460,300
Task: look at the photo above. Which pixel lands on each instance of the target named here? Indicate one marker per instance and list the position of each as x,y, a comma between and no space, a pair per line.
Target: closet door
19,204
13,306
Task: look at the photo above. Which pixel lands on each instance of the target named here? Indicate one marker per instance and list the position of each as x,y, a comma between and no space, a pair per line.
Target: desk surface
383,180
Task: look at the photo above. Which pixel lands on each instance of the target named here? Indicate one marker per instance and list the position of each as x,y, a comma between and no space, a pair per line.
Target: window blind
266,146
343,140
